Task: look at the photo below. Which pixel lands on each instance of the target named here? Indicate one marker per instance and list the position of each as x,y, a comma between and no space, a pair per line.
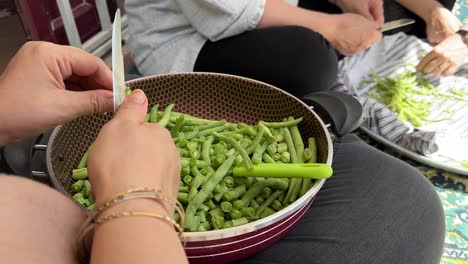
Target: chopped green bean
80,174
226,206
282,124
154,114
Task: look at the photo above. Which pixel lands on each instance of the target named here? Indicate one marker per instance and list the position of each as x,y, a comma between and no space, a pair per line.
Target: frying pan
236,99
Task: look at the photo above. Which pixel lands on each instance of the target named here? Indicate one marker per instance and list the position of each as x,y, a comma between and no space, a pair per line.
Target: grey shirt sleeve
218,19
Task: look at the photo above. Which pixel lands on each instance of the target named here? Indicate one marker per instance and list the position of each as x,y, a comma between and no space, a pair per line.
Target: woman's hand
440,25
46,85
446,57
370,9
351,33
130,153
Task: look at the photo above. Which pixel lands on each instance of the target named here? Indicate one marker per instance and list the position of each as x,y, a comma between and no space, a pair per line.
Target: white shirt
167,35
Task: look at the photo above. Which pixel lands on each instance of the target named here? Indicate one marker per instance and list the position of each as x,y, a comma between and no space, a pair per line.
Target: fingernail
137,97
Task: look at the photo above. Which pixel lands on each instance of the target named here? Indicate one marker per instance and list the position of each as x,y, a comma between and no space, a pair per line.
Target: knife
118,76
396,24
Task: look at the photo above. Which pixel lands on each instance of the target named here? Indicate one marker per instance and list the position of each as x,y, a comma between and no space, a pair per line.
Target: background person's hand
445,58
46,85
441,24
351,34
370,9
130,153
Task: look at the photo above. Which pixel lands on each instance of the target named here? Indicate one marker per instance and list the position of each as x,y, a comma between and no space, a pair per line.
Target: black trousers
375,209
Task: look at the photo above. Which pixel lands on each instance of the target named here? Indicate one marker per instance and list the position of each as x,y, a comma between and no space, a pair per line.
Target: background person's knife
118,75
396,24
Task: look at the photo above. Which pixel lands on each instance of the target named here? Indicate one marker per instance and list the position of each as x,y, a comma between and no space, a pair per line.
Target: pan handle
342,111
40,174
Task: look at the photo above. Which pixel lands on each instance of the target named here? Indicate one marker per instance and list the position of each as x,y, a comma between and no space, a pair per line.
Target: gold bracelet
139,213
92,221
129,195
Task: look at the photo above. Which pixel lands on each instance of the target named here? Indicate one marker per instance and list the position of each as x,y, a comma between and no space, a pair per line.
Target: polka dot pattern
205,95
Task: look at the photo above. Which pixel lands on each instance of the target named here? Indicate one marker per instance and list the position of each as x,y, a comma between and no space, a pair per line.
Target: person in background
268,40
434,22
374,209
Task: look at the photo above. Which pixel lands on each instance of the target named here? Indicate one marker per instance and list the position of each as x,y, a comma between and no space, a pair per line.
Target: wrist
431,12
143,204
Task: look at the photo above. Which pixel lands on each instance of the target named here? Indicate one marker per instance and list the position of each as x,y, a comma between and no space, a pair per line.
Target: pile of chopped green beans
403,96
212,197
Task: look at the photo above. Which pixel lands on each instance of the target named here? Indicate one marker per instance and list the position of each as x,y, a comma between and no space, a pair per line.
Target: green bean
276,157
258,153
218,123
277,205
285,157
245,143
235,213
297,140
239,221
254,204
307,183
167,113
195,184
210,204
272,148
247,211
77,186
238,181
249,129
217,222
193,134
188,179
183,188
178,125
205,191
254,190
268,135
282,124
77,196
185,171
267,203
249,182
267,158
91,207
154,114
147,118
204,207
210,131
266,192
259,199
218,160
282,147
206,226
220,188
80,174
87,189
307,154
237,146
229,181
182,197
216,212
267,212
183,152
256,141
228,224
226,206
293,154
84,159
206,149
234,193
279,137
192,145
202,215
238,160
128,91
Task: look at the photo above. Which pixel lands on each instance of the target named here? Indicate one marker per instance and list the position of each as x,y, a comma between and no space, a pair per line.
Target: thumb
134,107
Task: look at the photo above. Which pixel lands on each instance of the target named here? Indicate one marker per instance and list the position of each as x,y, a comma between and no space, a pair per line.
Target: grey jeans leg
374,209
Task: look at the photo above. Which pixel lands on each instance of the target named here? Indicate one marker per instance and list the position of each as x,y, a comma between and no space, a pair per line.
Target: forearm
422,8
279,13
137,239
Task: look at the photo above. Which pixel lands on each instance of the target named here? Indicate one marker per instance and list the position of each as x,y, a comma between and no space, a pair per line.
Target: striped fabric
390,57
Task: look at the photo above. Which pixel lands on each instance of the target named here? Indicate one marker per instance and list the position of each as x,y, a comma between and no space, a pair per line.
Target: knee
314,60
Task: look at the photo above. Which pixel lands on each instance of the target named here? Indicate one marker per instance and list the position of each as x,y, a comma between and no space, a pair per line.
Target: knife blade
396,24
118,76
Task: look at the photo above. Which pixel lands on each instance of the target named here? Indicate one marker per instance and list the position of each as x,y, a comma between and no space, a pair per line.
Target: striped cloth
390,57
